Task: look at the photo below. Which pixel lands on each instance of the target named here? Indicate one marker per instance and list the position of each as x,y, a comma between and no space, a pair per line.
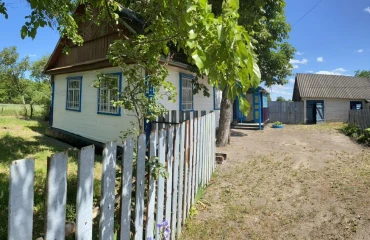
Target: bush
277,123
356,133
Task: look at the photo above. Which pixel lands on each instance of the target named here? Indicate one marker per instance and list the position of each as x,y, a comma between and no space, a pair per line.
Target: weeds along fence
360,118
143,196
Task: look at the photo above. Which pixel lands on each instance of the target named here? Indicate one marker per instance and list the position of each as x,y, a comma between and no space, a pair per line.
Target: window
73,99
186,92
217,97
109,91
356,105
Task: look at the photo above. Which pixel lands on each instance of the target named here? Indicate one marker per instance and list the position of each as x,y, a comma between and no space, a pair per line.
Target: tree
268,97
37,69
363,73
12,73
280,99
218,46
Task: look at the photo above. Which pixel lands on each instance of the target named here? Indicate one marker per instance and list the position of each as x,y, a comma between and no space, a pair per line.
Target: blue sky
332,39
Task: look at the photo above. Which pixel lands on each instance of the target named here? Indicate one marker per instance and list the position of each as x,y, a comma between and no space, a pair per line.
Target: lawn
17,110
300,182
20,139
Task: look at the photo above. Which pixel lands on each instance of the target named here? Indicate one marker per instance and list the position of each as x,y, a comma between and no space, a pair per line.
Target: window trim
69,79
119,74
214,99
192,90
356,102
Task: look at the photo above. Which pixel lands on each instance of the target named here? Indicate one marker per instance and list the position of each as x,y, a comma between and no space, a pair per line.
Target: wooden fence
360,118
187,150
286,112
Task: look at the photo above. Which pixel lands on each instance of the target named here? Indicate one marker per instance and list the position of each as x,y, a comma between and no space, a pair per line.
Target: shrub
351,131
277,123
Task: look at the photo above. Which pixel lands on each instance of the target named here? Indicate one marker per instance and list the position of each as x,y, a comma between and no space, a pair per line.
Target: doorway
315,111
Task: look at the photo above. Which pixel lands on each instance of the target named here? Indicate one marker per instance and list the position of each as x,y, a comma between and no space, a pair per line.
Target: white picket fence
186,149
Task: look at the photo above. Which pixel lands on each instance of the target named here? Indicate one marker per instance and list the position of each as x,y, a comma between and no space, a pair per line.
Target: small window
217,97
109,92
73,99
186,92
355,105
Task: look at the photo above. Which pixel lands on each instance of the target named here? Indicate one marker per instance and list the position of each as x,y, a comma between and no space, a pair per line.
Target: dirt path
302,182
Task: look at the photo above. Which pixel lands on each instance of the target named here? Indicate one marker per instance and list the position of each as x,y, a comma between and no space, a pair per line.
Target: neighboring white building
77,107
330,97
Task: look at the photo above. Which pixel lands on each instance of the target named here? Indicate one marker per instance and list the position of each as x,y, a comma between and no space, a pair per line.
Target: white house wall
102,128
335,110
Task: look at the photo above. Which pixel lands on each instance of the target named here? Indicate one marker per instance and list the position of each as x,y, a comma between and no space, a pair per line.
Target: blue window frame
109,91
217,97
186,92
74,93
356,105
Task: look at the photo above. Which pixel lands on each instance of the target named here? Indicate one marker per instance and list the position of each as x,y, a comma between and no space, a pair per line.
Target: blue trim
119,90
192,86
74,78
214,99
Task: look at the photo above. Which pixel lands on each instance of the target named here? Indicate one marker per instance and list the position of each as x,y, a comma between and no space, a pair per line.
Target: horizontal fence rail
286,112
360,118
182,153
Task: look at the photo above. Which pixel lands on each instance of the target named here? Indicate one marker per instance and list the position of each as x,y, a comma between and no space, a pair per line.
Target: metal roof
331,86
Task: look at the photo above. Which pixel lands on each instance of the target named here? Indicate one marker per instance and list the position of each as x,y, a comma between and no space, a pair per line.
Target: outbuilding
330,97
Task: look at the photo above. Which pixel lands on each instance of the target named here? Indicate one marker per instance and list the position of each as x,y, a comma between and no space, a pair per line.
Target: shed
329,97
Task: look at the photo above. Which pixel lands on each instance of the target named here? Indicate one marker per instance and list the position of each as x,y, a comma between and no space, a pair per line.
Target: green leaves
192,34
198,60
3,9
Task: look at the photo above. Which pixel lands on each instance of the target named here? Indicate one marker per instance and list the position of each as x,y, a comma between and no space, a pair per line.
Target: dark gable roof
330,86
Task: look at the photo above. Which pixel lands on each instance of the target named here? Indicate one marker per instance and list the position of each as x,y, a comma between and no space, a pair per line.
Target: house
329,97
81,110
257,98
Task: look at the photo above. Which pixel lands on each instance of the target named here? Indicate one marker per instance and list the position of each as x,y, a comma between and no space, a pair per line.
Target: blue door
257,106
239,115
319,113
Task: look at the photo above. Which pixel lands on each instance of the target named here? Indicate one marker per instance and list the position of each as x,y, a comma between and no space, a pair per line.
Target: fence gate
286,112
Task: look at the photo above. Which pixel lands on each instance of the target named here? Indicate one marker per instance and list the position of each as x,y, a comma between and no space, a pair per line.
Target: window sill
73,110
109,114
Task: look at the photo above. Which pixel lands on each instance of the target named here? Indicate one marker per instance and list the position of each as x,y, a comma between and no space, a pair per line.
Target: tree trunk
24,107
31,111
223,133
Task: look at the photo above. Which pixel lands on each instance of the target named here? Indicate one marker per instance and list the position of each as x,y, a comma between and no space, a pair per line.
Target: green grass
17,110
20,139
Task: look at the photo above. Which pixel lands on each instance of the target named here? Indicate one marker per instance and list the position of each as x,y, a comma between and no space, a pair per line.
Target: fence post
181,180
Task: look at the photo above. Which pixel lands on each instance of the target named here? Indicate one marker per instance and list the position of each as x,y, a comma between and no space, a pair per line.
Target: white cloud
296,61
310,71
31,55
360,50
295,66
367,9
281,90
299,53
320,59
338,71
291,80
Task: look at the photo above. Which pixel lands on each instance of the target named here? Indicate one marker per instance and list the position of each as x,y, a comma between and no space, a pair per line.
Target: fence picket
175,182
152,188
106,225
140,181
190,177
21,199
85,192
180,202
56,196
195,128
169,178
127,166
162,160
186,172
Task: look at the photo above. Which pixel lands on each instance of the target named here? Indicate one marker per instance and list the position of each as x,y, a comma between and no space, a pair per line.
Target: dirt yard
300,182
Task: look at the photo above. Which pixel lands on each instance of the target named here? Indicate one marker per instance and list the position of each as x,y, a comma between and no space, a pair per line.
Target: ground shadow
237,134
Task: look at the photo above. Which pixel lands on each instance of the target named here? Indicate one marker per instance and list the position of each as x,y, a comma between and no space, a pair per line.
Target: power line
307,13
